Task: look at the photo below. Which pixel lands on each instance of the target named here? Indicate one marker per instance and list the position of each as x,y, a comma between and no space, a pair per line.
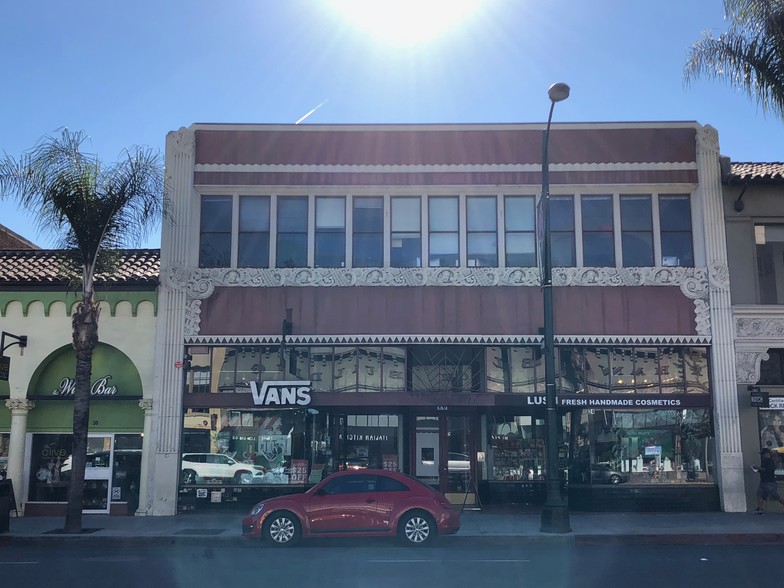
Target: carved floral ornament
747,365
199,283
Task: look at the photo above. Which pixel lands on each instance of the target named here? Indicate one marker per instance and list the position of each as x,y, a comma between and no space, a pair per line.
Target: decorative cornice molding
19,406
759,328
446,339
200,283
702,317
441,168
747,365
146,404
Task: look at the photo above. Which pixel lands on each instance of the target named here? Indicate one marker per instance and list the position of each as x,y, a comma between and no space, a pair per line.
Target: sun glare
406,22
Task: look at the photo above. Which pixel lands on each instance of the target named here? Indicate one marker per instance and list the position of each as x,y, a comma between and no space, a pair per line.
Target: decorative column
19,408
147,451
163,474
729,457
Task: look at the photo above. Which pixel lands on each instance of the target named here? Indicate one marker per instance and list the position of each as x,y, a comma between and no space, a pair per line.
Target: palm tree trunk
85,338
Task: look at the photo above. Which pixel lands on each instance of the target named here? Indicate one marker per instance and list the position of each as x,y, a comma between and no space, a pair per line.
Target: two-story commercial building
341,297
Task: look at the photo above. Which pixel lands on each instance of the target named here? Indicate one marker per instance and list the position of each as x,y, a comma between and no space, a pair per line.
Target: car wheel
238,476
282,529
416,528
188,477
615,479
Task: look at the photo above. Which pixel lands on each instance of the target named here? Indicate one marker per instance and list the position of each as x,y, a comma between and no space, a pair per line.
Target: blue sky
126,73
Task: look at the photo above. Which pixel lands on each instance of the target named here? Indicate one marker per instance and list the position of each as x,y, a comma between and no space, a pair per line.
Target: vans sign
281,393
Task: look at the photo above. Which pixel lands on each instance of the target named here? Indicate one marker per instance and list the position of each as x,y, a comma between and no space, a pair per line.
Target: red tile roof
40,267
751,172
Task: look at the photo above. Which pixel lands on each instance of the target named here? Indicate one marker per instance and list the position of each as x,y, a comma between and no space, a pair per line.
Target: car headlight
257,509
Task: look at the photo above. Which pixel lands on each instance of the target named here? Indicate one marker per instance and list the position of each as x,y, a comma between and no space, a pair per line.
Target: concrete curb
235,542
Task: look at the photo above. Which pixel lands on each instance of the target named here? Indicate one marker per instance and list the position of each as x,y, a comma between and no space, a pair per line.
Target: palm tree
750,55
91,209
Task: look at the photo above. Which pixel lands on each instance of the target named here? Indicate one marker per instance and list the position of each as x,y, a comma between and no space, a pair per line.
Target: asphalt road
382,564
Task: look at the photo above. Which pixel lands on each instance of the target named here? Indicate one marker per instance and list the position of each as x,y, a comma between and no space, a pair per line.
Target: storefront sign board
281,393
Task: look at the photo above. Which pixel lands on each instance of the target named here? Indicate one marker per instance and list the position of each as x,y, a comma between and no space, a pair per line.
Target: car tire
615,479
282,529
238,476
188,477
416,528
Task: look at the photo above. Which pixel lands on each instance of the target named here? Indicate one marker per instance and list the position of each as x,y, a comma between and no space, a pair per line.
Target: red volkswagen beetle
355,503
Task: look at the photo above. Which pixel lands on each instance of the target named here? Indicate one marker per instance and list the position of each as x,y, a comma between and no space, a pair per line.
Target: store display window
5,439
771,427
640,447
514,369
515,448
370,441
230,447
49,467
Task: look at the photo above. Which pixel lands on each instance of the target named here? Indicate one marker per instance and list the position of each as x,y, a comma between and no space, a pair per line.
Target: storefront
114,452
636,422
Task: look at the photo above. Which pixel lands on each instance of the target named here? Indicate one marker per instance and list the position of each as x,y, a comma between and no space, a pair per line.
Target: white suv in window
199,467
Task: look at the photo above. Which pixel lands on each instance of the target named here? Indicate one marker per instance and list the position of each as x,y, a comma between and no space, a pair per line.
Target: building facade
368,296
36,414
754,212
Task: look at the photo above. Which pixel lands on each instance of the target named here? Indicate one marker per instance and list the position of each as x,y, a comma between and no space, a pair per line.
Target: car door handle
369,500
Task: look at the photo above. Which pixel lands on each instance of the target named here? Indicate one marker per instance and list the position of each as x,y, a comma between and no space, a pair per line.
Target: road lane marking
450,560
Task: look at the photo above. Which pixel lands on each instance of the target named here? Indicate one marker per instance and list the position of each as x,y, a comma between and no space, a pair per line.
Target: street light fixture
555,513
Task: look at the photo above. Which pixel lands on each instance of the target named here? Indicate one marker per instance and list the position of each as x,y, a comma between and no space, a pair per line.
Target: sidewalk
210,528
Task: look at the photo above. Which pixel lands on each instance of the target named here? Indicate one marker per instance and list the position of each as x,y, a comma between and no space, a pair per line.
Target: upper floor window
292,242
769,240
636,231
368,224
406,238
215,231
330,232
598,240
444,225
481,227
254,238
562,231
675,223
520,231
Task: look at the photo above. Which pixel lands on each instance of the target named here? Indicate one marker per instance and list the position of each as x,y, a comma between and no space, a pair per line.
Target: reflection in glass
369,369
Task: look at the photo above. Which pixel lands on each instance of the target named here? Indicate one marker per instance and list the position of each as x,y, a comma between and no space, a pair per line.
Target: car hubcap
417,530
282,530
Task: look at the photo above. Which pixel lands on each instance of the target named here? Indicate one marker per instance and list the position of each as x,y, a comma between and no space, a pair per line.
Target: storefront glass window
370,441
244,447
597,369
394,369
321,368
514,369
640,447
695,362
515,448
441,368
50,467
771,426
345,369
5,439
369,368
671,370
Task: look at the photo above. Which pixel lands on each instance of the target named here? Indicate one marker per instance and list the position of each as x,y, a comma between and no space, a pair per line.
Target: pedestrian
767,489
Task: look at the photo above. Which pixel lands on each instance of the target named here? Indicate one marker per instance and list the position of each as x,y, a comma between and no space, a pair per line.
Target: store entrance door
443,455
97,474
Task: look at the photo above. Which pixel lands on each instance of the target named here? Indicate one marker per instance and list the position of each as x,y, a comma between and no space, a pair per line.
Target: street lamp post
555,513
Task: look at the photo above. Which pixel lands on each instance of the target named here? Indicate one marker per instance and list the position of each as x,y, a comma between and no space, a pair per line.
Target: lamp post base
555,519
